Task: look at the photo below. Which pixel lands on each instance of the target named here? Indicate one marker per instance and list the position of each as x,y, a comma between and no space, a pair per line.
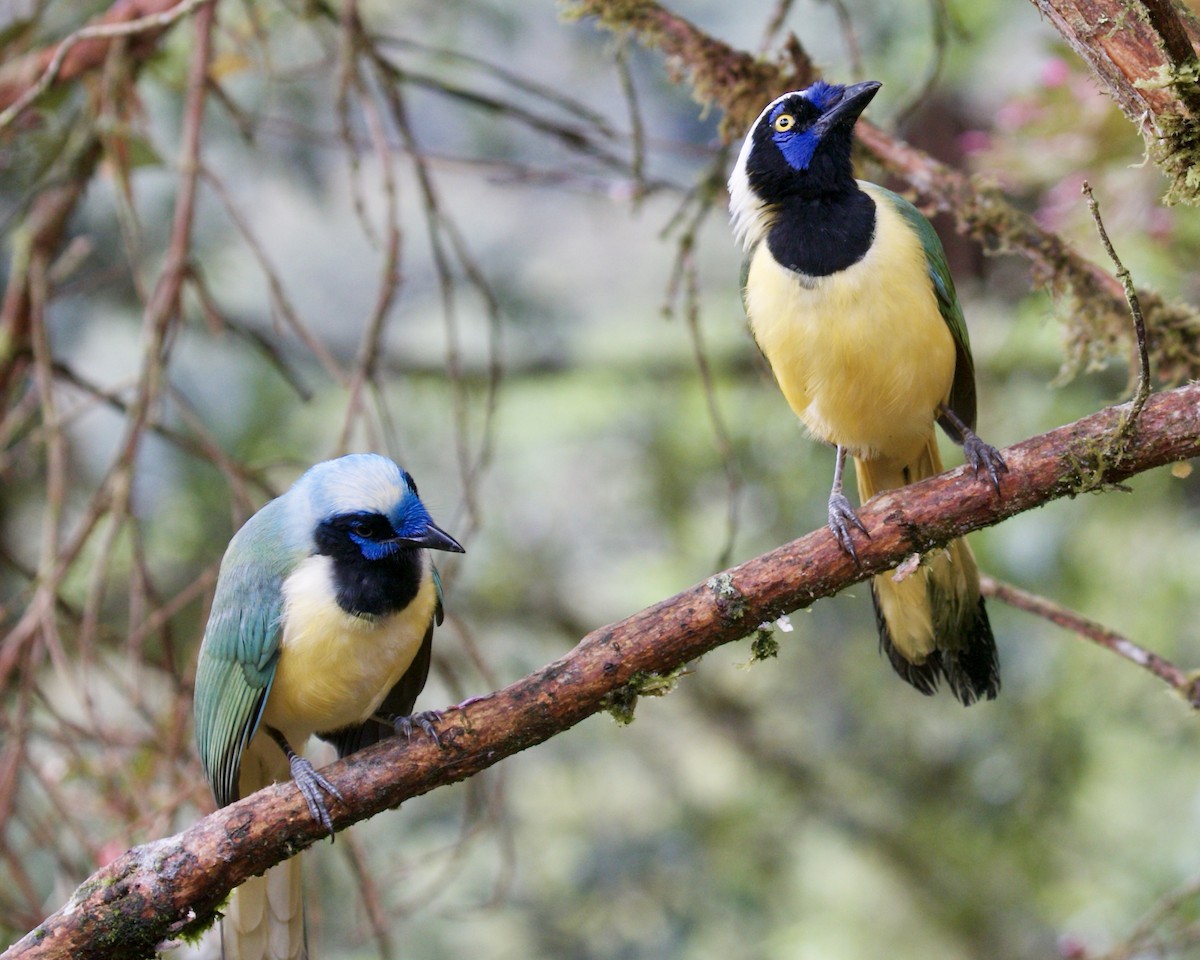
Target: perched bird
322,623
851,302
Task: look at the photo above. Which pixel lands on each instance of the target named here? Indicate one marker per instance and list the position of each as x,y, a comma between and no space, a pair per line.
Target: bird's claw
424,720
983,456
311,783
841,518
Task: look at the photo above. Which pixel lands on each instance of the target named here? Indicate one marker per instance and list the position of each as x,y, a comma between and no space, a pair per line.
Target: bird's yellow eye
784,122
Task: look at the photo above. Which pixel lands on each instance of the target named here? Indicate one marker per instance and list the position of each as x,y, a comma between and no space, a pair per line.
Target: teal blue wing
962,392
238,657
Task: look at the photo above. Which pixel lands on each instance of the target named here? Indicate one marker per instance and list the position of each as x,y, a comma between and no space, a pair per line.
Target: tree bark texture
1144,52
155,890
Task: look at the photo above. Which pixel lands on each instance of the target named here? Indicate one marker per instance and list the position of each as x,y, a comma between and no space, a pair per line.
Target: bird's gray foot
841,518
979,455
983,456
308,781
424,720
311,784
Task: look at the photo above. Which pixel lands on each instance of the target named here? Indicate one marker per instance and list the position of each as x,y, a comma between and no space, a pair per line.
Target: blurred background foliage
555,348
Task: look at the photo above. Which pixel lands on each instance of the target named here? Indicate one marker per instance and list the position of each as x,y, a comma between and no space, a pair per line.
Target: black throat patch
369,588
822,235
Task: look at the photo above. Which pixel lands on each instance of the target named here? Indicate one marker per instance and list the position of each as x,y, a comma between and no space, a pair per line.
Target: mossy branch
1144,55
161,889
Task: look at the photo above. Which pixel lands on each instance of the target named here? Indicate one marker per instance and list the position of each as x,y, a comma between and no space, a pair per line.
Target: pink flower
1055,72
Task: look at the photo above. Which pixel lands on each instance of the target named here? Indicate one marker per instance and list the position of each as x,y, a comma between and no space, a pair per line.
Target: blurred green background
544,390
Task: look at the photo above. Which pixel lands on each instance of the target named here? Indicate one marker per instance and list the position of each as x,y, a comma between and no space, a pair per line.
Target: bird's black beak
435,538
846,111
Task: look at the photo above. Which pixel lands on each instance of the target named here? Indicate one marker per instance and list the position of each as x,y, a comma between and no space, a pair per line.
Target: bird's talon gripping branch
983,456
841,518
311,783
841,515
980,456
424,720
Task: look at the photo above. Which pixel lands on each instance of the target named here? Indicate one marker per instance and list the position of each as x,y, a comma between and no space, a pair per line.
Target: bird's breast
335,668
862,355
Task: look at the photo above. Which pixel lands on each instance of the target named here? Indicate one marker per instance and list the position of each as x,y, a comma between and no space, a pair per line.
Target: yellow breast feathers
336,669
863,356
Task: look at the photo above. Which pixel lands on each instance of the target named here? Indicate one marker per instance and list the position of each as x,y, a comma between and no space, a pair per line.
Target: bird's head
798,147
364,507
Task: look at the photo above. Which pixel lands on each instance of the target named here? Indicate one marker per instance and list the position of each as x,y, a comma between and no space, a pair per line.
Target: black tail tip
971,669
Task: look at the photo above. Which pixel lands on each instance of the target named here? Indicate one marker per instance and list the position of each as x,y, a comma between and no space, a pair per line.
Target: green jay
851,302
322,623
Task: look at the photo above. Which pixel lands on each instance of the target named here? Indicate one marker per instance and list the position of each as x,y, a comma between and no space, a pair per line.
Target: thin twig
445,239
98,31
1186,685
1149,939
850,35
918,95
368,895
557,97
1142,391
774,24
280,301
637,128
371,347
160,312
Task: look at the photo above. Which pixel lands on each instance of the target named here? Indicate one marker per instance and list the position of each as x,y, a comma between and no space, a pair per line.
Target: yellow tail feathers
932,622
265,919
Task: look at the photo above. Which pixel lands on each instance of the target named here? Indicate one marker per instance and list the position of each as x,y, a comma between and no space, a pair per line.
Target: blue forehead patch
824,95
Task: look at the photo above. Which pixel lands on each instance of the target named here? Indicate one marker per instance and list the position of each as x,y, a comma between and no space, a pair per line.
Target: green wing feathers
237,664
962,393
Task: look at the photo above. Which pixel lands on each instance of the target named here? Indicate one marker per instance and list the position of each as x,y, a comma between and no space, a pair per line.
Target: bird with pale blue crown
852,304
322,623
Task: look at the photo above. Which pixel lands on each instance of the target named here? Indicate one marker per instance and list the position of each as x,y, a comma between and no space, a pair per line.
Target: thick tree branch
1144,52
152,891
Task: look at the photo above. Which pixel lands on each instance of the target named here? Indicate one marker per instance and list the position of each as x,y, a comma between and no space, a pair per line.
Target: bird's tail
932,621
265,917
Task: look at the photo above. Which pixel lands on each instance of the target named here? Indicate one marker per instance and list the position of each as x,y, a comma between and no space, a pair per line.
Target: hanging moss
622,702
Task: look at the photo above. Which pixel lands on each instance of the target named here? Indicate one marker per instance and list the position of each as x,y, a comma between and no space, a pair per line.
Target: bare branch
1125,278
1185,685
